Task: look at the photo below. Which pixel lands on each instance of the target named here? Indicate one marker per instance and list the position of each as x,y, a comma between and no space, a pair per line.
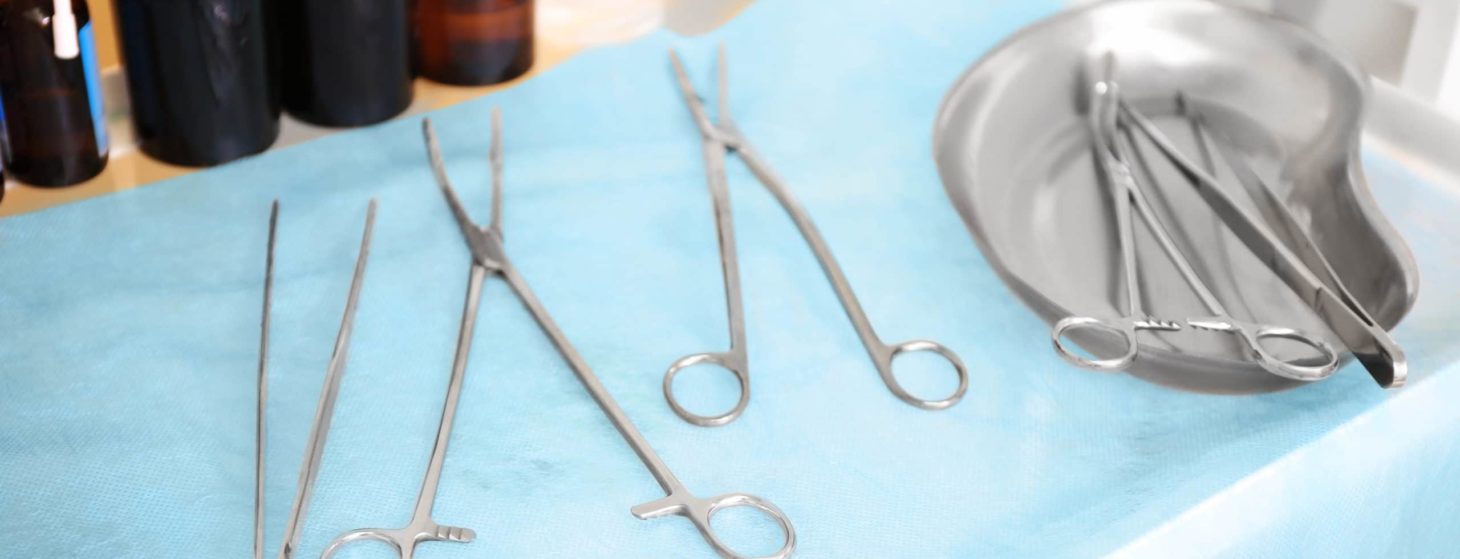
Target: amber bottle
345,62
202,87
473,42
50,103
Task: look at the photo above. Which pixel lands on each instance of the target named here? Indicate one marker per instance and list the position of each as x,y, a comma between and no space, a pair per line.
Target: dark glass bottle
201,84
346,62
473,42
50,106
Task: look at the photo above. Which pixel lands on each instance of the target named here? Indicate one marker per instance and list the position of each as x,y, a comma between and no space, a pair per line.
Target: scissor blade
691,98
475,238
1373,346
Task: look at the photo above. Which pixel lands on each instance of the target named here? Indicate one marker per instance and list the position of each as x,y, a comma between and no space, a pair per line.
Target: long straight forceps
325,410
1375,348
423,528
488,253
1116,157
262,390
725,137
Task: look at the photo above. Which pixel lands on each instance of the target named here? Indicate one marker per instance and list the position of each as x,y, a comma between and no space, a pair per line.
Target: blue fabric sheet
130,334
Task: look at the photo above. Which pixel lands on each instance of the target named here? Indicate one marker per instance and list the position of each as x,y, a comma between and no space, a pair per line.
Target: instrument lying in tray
1247,174
1325,294
1115,159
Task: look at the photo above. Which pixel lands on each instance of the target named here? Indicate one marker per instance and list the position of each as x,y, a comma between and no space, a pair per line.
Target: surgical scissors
488,253
1113,157
719,140
325,410
423,528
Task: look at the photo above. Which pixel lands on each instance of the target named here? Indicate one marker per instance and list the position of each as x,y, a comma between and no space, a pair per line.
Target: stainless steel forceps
423,528
723,138
262,390
1113,158
1298,262
325,410
488,254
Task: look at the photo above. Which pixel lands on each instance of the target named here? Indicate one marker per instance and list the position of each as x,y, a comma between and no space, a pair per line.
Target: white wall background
1412,44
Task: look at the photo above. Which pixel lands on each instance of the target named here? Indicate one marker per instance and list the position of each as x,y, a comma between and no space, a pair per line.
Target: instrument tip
1183,105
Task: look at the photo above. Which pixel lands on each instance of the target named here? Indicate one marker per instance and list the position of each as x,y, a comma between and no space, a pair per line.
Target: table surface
130,320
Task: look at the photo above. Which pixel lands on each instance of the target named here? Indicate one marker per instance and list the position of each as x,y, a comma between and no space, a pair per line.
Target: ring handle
390,537
404,540
700,511
733,500
730,362
1287,369
1252,336
890,353
1125,329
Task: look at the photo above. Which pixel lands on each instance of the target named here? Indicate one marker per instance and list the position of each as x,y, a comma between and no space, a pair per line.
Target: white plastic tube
63,29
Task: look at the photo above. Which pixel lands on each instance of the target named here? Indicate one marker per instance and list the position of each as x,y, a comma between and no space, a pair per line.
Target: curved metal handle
700,511
395,538
404,540
1124,329
889,353
1253,334
730,362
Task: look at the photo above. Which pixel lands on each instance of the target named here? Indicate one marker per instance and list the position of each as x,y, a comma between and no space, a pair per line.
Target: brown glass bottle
345,62
50,107
473,42
202,86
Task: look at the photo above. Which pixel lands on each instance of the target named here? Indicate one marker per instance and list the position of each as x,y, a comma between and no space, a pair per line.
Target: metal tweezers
1301,266
325,410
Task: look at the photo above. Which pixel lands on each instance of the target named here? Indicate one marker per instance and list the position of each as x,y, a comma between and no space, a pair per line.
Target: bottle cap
63,29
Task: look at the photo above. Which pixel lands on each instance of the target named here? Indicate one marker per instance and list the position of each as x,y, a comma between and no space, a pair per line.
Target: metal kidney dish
1012,148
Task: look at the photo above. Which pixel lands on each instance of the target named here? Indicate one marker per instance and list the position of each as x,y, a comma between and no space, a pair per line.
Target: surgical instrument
1286,226
718,141
1113,157
1118,177
1368,341
325,410
263,389
487,250
423,528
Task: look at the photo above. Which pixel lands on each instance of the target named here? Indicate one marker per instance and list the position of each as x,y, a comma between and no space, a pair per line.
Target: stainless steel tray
1012,149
